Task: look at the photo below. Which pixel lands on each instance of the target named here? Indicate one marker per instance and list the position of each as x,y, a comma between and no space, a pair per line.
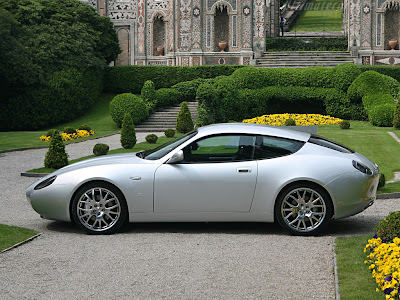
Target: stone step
305,58
299,63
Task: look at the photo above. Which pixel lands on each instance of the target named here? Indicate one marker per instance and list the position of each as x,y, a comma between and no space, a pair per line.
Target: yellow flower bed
384,261
301,119
69,137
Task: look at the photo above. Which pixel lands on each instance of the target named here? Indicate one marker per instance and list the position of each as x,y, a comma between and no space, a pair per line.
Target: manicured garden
11,235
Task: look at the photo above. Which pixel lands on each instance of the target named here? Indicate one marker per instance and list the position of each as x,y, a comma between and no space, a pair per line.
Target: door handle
243,170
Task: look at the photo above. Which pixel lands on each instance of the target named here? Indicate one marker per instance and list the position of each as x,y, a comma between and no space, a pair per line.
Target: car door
218,174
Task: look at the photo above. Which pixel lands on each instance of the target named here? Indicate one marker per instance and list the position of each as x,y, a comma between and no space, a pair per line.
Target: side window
220,148
271,147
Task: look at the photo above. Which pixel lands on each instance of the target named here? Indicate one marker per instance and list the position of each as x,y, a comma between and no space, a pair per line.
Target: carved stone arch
159,32
221,4
391,22
222,11
391,5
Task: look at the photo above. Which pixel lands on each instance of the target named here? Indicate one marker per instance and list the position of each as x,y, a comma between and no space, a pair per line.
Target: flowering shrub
301,119
384,261
69,137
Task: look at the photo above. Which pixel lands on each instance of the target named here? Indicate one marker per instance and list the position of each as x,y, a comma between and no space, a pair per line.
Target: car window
220,148
270,147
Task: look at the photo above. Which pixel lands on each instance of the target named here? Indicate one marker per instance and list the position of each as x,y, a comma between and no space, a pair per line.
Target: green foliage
307,44
69,130
392,71
368,83
389,227
123,79
148,94
188,88
344,125
382,181
290,122
151,138
381,115
128,103
56,157
52,132
100,149
396,118
169,133
84,127
128,133
184,121
167,97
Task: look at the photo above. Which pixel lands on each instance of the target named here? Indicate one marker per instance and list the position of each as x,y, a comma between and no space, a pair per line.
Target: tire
303,209
99,208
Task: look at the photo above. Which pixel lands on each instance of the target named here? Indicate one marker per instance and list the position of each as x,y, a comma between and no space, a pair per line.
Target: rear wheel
303,209
99,208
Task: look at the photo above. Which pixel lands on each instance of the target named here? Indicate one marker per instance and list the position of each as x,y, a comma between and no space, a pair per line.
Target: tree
128,134
184,122
56,157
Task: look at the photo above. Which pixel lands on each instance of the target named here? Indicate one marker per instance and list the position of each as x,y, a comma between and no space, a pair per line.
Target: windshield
164,149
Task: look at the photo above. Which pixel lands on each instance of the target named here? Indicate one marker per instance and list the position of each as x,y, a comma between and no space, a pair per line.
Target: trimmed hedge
392,71
168,97
368,83
307,44
67,95
123,79
128,103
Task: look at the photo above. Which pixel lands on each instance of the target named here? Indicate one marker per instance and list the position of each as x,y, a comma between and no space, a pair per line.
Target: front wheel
99,208
303,209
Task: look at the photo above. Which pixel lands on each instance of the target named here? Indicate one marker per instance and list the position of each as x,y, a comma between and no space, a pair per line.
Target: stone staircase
164,118
303,59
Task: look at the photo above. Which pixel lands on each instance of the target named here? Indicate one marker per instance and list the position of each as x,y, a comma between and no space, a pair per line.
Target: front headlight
362,168
45,183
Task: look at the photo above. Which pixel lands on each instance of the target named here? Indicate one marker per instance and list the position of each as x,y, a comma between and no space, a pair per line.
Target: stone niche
392,27
221,28
158,34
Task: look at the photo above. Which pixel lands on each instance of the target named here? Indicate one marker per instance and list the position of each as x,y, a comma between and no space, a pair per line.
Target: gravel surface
163,261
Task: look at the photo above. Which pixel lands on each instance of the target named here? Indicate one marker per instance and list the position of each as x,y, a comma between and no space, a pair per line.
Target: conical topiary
396,119
184,122
128,134
56,157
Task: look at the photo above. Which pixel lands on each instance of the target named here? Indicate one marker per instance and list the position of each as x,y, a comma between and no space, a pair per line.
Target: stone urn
222,45
160,49
392,44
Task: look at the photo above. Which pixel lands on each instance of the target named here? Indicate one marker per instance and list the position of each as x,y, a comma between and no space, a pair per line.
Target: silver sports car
218,173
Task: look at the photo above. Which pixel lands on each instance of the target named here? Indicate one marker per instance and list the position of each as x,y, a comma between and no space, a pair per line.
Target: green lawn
320,15
11,235
355,279
98,118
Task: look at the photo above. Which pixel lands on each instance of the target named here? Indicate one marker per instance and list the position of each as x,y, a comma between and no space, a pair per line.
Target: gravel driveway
163,261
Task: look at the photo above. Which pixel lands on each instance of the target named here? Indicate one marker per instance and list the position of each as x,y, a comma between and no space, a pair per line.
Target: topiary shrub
188,89
56,157
128,103
368,83
344,125
389,227
290,122
148,94
69,130
207,98
396,118
100,149
128,134
169,133
381,115
51,132
168,97
382,181
85,127
184,122
151,138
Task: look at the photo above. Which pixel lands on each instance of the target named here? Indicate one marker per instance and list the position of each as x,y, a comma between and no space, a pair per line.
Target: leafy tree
128,134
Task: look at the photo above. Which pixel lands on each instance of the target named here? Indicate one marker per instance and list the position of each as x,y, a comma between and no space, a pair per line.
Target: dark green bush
290,122
123,79
382,181
344,125
100,149
307,44
396,118
184,122
168,97
51,132
148,94
128,103
207,98
368,83
392,71
188,89
151,138
389,227
169,133
69,130
128,133
381,115
56,157
85,127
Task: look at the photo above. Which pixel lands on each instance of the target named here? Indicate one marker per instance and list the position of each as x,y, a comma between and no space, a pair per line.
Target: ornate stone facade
189,31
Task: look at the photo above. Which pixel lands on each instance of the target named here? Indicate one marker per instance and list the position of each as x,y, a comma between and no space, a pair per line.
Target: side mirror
177,157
